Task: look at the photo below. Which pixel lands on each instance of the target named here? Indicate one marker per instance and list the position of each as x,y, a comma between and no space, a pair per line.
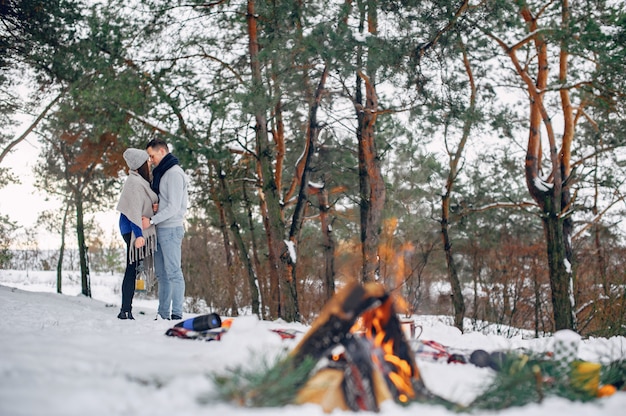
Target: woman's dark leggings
128,284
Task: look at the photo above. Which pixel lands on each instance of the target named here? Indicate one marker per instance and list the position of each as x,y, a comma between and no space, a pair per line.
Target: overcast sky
24,202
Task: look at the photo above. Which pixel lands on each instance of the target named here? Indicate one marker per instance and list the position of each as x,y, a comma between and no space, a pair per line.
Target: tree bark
552,194
273,297
62,248
82,247
220,198
239,244
561,279
458,302
255,256
275,227
303,194
328,244
372,184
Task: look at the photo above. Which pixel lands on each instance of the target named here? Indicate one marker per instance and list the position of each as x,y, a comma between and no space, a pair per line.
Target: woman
136,200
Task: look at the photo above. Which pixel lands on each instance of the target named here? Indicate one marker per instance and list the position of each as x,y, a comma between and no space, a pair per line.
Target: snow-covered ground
69,355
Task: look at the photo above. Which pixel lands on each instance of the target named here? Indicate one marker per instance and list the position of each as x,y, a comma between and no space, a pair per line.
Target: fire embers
364,358
391,352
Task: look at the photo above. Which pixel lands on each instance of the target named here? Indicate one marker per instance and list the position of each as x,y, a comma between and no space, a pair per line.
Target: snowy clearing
70,355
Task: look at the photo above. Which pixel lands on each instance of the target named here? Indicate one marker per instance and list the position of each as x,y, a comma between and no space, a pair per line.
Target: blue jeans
169,273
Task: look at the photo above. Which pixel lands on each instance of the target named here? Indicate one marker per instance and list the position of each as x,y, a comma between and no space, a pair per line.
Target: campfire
363,355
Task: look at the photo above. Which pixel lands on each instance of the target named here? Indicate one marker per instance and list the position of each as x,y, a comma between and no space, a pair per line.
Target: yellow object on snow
585,376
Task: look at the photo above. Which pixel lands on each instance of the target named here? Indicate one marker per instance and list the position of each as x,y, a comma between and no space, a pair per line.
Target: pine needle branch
267,386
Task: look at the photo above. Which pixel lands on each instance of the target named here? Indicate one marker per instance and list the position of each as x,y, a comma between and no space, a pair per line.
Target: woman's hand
140,242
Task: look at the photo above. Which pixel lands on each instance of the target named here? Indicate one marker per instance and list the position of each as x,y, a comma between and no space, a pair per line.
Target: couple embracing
151,223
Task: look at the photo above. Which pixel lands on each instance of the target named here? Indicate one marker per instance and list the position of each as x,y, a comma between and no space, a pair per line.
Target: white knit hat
135,158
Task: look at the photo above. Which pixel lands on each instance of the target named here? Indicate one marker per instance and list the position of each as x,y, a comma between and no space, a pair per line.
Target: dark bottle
202,322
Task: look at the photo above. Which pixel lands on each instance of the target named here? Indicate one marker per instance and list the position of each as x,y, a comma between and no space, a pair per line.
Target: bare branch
30,128
598,217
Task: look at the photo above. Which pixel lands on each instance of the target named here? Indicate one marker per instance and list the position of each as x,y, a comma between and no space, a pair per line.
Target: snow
69,355
542,185
567,336
292,251
568,266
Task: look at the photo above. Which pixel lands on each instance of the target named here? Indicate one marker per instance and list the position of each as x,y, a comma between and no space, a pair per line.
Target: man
170,183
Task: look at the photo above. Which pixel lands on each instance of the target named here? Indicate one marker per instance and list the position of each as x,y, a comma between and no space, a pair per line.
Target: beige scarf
136,201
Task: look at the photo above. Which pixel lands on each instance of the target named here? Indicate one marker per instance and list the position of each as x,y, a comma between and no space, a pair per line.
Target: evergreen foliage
268,385
520,379
614,374
6,236
183,70
524,379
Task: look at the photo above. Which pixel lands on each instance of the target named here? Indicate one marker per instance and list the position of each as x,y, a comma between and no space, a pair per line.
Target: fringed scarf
136,201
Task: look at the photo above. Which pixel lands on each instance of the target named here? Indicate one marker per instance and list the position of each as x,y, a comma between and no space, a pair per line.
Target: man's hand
140,242
145,222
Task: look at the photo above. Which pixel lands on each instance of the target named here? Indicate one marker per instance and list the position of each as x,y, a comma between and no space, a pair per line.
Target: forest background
477,145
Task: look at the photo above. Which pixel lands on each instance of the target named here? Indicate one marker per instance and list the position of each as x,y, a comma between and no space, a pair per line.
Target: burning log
362,352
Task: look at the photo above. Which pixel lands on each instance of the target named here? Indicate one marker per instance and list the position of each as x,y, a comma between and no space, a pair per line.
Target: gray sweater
173,198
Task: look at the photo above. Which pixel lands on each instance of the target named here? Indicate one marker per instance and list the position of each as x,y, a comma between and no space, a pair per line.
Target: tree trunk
62,249
457,293
253,287
239,244
455,157
275,227
273,292
537,293
552,195
302,201
82,247
255,256
328,243
372,184
600,260
561,279
220,198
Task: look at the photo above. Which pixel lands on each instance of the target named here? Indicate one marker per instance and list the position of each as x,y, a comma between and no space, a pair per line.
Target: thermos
202,322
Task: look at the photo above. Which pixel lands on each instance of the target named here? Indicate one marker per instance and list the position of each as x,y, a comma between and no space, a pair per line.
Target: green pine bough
521,380
268,386
527,379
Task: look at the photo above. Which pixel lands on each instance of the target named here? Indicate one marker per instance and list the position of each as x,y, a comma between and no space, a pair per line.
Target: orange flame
373,324
393,259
